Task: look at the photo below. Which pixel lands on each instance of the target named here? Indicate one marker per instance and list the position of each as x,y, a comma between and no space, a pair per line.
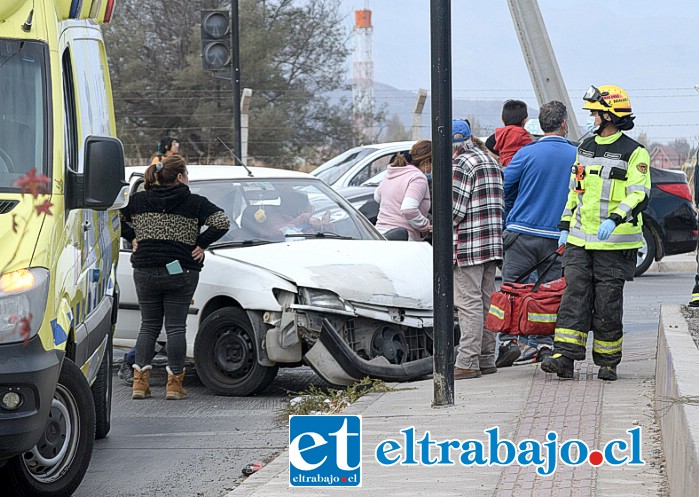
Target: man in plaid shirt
478,206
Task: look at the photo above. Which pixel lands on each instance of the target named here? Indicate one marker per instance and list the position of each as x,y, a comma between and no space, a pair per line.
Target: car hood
375,272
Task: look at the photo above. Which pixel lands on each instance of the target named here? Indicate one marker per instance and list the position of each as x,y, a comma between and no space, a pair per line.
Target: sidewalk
682,263
532,404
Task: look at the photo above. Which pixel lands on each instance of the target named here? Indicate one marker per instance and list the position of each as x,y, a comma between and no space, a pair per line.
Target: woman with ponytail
404,194
167,146
163,223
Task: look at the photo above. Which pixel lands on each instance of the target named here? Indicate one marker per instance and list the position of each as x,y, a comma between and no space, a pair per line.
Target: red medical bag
527,308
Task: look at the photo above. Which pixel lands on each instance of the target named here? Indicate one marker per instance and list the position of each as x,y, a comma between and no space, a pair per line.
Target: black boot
607,373
508,353
559,364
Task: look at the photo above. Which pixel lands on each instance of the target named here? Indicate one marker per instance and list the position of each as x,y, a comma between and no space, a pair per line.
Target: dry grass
332,400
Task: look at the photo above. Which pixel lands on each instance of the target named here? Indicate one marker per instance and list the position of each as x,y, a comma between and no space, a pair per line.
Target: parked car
669,222
358,165
300,277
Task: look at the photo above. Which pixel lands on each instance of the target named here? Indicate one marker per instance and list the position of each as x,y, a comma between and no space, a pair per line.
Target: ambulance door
91,234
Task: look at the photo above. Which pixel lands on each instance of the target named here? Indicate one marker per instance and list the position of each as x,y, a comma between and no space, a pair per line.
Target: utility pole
244,115
443,331
417,113
540,58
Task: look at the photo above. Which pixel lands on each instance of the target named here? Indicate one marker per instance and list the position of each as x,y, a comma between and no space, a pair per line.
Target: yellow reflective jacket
616,185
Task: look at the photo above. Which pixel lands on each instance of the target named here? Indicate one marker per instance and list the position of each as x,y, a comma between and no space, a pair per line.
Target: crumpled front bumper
335,361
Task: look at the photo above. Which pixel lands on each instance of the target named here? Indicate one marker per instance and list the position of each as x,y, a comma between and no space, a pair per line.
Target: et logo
325,451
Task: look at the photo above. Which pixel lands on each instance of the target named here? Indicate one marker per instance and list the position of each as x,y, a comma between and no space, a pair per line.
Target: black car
669,222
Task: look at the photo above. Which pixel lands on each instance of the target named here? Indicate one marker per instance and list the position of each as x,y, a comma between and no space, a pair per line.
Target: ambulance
61,185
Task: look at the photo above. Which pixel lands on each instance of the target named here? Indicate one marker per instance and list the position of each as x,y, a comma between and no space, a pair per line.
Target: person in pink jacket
404,194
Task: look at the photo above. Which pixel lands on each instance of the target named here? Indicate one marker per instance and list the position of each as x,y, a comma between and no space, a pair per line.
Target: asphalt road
198,447
193,447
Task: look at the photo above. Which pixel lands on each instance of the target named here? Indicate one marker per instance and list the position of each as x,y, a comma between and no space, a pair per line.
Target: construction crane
541,61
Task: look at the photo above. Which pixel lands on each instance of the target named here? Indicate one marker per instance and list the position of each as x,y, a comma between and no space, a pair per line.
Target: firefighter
602,230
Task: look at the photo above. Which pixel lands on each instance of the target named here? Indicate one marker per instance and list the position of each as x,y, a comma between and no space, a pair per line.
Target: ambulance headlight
23,298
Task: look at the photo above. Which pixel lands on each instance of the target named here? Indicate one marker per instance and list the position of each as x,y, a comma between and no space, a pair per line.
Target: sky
648,48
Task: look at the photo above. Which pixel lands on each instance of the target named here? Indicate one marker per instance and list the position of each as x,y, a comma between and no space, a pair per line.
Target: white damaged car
301,277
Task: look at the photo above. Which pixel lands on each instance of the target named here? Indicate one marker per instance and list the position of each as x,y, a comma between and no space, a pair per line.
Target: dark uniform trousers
593,300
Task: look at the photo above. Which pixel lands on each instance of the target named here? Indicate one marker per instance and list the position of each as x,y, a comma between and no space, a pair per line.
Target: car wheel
225,355
102,393
58,462
646,254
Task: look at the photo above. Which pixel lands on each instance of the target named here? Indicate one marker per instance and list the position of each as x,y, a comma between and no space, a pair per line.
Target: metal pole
440,15
235,48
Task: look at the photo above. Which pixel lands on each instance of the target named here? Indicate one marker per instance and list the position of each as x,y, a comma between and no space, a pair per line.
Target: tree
290,54
681,146
643,139
395,131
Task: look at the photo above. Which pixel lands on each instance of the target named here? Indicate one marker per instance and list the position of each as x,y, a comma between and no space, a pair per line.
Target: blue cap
460,131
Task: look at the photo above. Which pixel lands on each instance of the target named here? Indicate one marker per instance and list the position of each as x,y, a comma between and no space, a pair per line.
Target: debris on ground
253,468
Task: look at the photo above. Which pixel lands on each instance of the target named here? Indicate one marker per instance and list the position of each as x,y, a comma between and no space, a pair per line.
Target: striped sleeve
637,184
215,220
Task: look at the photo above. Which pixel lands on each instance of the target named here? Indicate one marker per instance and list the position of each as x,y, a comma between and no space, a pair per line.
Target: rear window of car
333,170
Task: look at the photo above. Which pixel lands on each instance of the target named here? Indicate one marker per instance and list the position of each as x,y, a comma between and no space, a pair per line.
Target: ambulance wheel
646,254
225,355
58,462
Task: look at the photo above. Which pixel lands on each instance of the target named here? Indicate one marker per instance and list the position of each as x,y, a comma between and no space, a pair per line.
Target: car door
372,166
129,318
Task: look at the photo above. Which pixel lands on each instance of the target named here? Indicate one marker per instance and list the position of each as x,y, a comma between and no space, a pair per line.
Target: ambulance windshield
23,110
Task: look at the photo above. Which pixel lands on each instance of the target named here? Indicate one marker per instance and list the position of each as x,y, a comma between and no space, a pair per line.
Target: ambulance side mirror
102,185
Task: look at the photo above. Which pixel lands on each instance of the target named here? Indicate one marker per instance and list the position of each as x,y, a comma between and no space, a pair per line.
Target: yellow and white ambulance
61,183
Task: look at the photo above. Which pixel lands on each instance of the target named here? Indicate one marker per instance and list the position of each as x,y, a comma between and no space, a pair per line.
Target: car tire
646,254
102,393
225,355
56,469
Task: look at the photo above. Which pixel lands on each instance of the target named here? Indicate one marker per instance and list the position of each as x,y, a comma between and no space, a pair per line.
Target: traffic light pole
235,80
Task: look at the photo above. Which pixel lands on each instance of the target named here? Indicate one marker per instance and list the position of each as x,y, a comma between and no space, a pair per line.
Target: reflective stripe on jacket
616,180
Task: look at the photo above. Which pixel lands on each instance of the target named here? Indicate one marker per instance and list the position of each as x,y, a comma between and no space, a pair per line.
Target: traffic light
215,39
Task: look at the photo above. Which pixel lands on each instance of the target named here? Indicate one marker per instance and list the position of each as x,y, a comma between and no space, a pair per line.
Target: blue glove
606,229
563,239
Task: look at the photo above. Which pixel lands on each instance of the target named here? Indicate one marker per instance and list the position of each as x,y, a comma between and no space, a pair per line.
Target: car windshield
264,210
333,170
23,114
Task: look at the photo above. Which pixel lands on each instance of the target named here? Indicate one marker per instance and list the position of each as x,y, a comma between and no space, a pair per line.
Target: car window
373,168
276,210
376,180
333,170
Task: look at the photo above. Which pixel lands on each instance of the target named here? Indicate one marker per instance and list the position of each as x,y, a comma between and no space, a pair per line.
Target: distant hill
484,115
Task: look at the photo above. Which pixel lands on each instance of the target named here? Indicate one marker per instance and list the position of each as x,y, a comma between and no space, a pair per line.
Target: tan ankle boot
141,388
174,389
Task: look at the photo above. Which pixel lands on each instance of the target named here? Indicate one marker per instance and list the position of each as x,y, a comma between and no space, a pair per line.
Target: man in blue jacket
536,189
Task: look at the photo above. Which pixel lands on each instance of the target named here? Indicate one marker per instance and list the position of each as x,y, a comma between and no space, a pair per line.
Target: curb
677,399
673,266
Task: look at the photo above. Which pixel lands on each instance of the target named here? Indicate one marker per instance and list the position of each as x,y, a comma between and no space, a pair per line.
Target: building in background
666,157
